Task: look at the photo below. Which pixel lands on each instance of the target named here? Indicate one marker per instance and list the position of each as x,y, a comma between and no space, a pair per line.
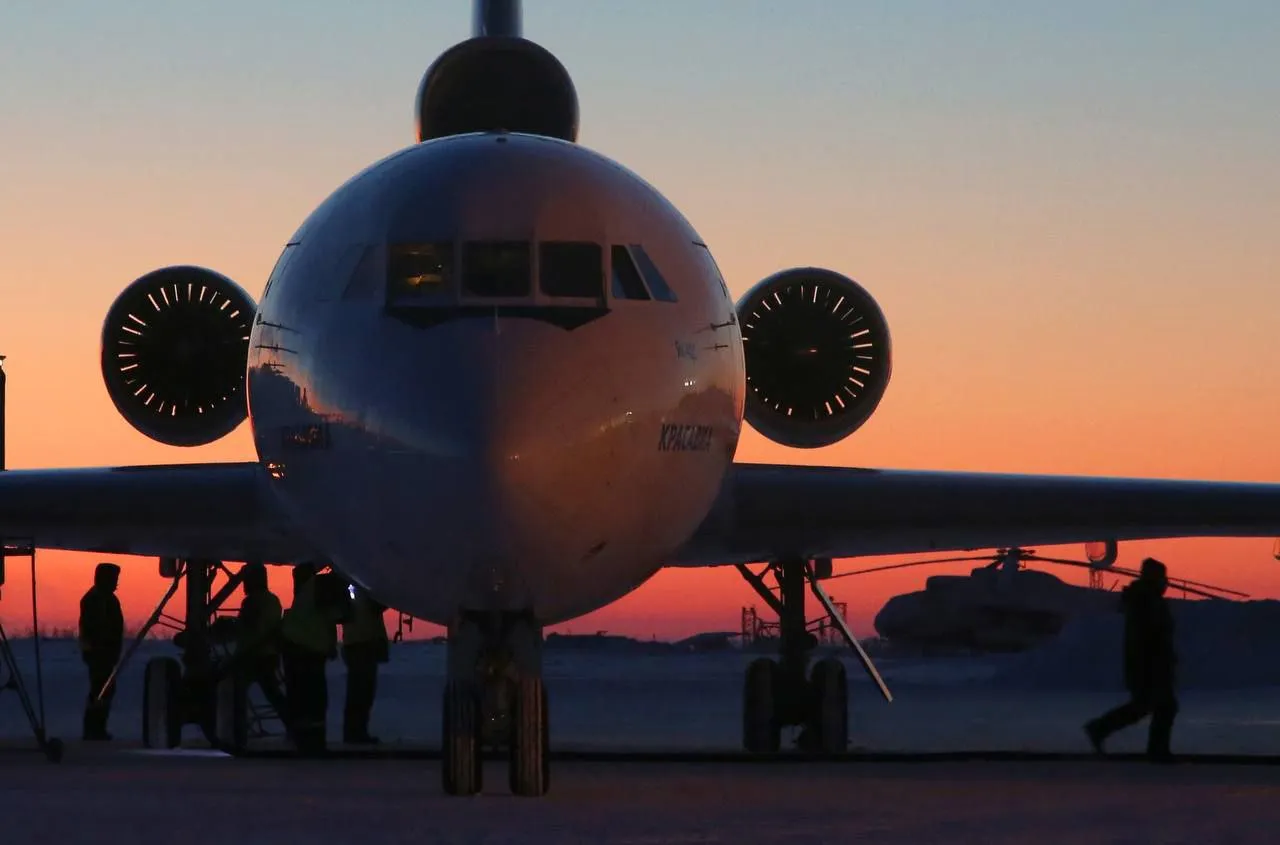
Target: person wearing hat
1149,661
308,640
258,635
101,641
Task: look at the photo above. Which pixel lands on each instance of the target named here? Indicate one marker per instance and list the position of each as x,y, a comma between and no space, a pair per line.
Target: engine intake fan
175,345
817,356
497,84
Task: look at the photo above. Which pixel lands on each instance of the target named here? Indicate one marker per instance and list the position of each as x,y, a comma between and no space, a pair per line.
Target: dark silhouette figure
101,641
309,639
258,637
364,646
1149,661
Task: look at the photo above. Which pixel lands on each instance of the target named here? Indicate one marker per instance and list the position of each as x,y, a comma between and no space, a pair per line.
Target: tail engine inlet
175,345
497,84
817,356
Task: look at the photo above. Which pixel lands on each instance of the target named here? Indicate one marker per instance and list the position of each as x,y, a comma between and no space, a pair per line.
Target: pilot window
281,263
363,283
495,268
627,283
710,261
571,269
415,271
661,290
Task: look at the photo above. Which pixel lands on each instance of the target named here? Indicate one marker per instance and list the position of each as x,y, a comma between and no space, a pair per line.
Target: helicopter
1005,606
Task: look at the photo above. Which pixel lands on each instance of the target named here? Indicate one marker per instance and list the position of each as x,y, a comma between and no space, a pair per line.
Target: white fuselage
453,444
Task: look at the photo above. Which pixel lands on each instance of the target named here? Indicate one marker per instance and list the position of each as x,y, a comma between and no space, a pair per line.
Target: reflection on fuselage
496,419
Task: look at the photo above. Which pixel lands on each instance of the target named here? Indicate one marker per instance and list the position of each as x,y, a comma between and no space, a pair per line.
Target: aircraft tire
761,733
231,714
829,721
162,703
461,763
530,772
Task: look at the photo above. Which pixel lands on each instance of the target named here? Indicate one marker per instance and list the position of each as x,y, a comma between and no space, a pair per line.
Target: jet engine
497,83
175,346
817,356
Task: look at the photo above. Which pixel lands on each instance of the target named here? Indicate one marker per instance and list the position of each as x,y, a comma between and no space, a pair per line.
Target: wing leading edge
215,511
766,510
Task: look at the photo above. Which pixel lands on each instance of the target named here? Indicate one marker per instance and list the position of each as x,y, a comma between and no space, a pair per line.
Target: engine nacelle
817,356
494,84
175,346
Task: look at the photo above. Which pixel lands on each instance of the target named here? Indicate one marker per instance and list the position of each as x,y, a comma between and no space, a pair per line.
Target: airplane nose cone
549,455
505,468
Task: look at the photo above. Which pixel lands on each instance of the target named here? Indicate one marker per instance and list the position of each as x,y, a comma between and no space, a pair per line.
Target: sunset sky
1068,212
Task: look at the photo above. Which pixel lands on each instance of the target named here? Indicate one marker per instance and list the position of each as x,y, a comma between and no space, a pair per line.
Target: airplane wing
766,511
216,511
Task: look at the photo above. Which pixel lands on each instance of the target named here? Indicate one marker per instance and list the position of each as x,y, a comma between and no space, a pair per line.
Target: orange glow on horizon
1077,265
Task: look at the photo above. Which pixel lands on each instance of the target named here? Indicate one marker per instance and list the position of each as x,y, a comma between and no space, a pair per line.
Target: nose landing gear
495,699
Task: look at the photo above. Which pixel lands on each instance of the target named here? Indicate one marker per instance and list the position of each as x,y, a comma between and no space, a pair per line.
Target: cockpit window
495,268
571,269
281,263
627,283
417,271
661,290
710,261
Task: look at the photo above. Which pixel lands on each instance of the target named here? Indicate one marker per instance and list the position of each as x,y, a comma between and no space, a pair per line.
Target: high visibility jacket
304,625
259,617
365,626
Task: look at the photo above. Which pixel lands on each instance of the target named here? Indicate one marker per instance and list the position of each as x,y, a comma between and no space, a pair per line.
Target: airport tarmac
108,795
953,759
693,702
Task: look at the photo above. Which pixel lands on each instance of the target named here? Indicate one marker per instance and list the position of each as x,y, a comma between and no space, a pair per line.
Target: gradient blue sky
1067,210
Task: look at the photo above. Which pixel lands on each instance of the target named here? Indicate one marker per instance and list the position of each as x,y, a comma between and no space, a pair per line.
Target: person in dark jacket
101,641
364,646
1149,661
258,636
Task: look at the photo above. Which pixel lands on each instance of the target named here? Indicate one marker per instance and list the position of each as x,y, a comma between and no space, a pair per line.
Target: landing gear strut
784,692
495,699
198,687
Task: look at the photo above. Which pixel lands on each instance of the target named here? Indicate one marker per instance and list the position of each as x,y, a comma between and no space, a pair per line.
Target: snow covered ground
601,700
633,700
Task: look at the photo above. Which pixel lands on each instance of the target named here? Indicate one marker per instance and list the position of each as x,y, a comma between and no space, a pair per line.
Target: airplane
498,380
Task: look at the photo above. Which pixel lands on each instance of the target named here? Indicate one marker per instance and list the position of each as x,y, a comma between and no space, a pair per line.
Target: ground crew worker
1149,660
364,646
258,636
101,640
309,639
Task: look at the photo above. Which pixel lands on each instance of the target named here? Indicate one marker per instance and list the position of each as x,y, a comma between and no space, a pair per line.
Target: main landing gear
494,698
777,693
199,687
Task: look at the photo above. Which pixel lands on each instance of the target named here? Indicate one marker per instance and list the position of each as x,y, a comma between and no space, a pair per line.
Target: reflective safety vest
365,626
305,626
259,616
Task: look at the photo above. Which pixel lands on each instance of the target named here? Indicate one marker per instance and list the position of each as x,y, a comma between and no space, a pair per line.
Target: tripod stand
34,711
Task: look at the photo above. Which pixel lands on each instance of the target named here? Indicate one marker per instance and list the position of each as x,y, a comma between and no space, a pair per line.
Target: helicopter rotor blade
906,565
1184,584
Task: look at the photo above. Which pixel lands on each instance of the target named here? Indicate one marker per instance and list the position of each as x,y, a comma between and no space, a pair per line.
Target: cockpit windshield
495,268
571,269
445,273
415,271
